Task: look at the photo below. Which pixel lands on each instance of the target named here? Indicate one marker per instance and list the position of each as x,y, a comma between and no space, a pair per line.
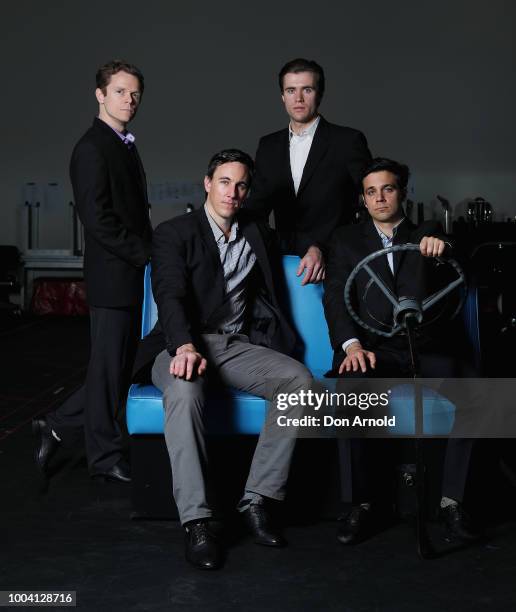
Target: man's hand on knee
187,361
314,266
357,358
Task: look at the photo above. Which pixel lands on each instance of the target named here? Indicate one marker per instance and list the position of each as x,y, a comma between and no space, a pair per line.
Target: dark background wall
432,84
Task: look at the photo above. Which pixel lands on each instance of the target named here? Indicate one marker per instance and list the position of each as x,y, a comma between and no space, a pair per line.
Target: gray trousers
236,363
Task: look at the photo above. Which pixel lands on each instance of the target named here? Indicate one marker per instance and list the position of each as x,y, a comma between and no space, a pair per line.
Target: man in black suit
307,173
360,353
110,192
219,321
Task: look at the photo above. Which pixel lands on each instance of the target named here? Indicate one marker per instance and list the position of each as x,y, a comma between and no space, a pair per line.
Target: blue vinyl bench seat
237,412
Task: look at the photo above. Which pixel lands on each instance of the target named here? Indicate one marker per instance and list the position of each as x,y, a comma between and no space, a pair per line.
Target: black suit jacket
414,276
188,287
327,192
110,192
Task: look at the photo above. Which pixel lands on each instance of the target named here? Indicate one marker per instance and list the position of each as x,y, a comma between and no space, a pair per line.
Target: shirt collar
218,233
309,131
126,137
383,236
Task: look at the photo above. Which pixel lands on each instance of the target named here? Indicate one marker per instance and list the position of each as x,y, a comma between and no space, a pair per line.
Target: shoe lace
199,533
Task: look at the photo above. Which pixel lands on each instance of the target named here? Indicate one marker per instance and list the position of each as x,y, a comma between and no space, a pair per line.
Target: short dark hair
383,164
227,156
303,65
105,72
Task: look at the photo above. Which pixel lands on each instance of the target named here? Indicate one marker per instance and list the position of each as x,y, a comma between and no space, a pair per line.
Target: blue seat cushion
238,412
230,412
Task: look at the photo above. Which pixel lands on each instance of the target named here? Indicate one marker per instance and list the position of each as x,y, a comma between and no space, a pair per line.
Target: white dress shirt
299,149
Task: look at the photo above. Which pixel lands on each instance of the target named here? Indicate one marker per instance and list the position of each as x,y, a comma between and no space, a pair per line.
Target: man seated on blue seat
213,279
360,353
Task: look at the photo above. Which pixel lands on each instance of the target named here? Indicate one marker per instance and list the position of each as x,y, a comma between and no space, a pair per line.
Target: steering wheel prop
405,309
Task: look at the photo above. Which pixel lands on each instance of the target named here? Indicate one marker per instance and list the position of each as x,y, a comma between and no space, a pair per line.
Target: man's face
300,96
120,102
382,196
227,189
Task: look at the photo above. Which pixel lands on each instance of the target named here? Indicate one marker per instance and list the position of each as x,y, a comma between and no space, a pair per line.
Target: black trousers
357,456
99,404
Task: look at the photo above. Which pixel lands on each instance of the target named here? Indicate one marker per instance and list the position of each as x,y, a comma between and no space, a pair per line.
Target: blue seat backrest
306,312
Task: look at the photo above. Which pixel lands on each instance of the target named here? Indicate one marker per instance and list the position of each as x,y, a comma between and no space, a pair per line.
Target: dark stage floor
75,534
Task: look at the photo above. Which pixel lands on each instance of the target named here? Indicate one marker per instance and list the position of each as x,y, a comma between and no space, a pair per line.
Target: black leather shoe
45,443
202,548
458,524
120,472
355,526
258,522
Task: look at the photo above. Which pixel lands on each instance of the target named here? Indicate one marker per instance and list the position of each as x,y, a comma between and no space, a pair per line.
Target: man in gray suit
219,320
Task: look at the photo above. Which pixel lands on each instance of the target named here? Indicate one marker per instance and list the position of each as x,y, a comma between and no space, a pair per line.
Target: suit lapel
402,237
286,170
141,171
216,296
317,151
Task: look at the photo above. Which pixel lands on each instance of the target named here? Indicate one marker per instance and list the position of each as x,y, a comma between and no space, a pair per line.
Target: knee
182,396
295,377
297,372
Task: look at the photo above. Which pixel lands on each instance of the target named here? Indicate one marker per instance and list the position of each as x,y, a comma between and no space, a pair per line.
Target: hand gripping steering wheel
402,306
